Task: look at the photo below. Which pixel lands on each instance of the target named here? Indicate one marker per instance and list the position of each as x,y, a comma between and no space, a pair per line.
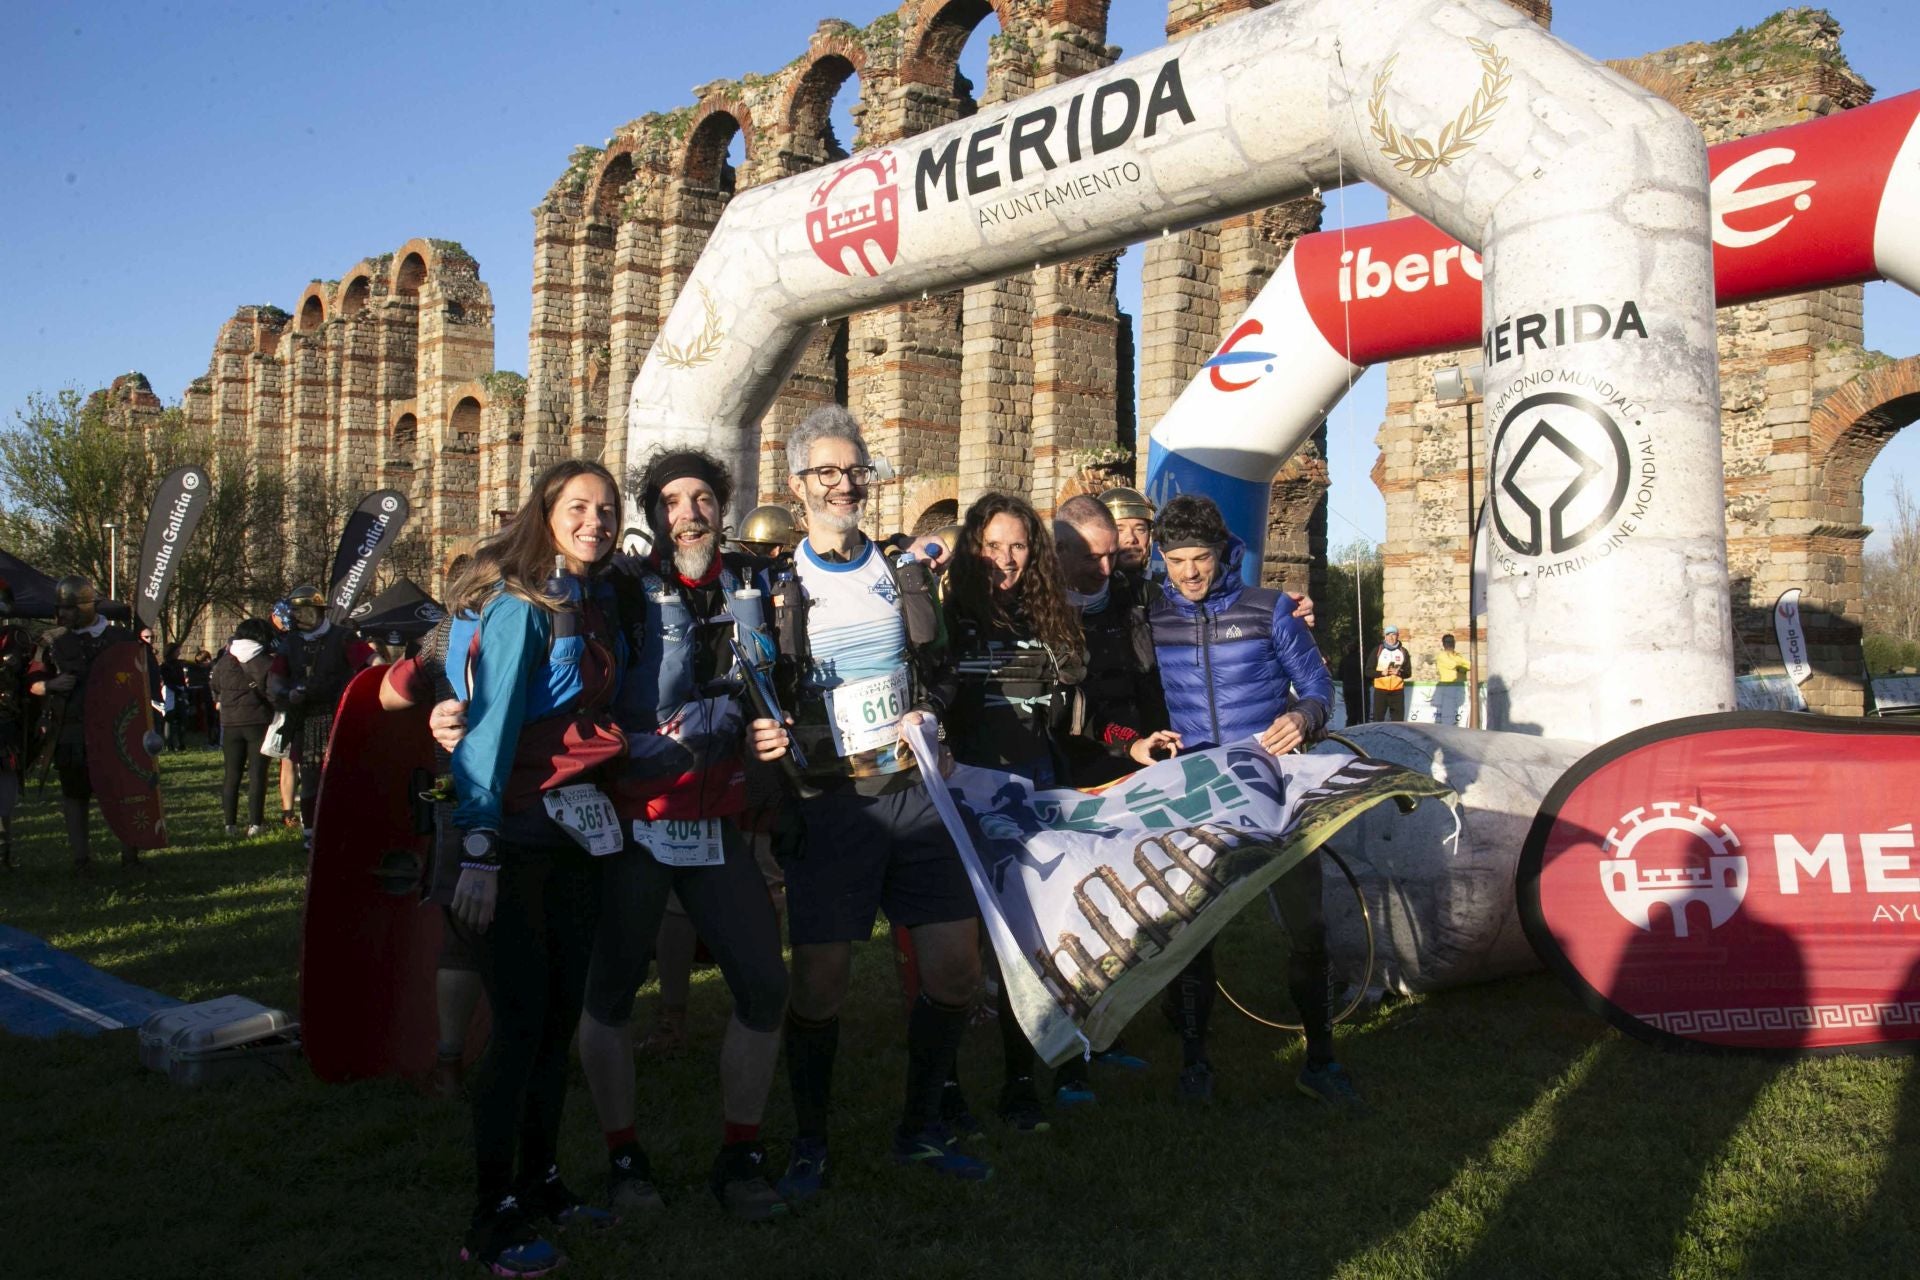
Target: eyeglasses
830,477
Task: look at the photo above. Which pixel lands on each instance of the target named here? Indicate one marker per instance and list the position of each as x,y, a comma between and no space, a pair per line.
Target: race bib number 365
587,816
866,713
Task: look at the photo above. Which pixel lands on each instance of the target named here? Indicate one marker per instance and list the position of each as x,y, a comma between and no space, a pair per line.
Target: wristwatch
480,850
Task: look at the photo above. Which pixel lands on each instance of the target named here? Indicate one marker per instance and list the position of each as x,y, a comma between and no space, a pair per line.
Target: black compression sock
1193,1005
810,1051
1014,1049
933,1040
1309,982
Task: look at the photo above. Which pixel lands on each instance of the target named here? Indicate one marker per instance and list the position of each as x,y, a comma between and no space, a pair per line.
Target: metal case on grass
229,1038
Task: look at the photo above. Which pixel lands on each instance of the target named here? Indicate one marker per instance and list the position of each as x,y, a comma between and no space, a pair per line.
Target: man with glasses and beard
862,656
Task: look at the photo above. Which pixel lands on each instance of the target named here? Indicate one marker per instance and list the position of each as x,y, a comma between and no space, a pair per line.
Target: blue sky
167,162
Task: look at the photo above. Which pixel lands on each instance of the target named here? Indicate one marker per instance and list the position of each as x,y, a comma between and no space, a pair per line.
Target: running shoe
630,1188
1332,1085
255,830
740,1184
806,1175
1196,1084
1020,1107
957,1115
501,1240
933,1149
1120,1060
553,1201
1074,1093
233,832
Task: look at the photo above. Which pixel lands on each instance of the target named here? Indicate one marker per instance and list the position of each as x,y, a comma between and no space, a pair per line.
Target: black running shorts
864,854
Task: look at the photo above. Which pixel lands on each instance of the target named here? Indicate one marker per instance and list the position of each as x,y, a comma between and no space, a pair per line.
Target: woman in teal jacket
536,649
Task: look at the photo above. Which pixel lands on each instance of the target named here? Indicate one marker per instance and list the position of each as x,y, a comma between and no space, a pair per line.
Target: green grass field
1513,1135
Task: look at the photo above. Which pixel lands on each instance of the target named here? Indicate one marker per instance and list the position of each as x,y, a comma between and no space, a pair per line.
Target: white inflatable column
1607,602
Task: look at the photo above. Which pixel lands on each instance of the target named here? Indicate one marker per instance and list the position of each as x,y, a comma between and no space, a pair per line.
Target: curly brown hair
1040,596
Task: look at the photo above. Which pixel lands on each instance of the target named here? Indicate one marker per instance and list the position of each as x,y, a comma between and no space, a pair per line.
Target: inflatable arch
1823,203
1583,189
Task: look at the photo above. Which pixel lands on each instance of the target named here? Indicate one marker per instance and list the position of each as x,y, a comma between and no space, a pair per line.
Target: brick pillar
635,322
589,352
550,336
1179,317
1074,352
357,425
996,388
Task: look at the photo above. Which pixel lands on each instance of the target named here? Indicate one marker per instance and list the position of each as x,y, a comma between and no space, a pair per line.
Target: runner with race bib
861,654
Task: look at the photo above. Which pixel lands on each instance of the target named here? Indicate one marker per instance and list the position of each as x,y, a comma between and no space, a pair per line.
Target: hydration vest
920,621
662,634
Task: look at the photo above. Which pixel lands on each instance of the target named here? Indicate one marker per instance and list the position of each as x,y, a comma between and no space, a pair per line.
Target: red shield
125,779
1741,881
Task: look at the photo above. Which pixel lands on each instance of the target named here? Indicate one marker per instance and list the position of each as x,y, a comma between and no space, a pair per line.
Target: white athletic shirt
859,648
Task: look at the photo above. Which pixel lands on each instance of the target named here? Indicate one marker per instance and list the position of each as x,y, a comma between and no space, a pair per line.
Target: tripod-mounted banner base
1737,881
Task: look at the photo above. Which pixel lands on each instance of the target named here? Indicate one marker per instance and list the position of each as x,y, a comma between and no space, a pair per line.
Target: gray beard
827,519
693,562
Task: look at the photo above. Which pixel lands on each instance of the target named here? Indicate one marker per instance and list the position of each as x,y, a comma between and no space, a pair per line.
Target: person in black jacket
239,687
15,647
1019,652
58,673
309,673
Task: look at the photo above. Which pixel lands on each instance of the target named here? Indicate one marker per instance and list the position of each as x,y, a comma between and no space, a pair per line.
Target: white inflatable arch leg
1821,203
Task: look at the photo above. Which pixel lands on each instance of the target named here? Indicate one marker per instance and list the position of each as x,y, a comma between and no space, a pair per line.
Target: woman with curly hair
1016,640
1019,653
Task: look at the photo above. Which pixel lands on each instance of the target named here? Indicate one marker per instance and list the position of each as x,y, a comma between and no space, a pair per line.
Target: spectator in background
1452,665
173,679
1352,685
1392,667
200,696
283,640
238,683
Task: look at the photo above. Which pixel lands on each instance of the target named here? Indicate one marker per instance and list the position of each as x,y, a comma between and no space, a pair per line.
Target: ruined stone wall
380,379
1788,523
1008,385
1026,383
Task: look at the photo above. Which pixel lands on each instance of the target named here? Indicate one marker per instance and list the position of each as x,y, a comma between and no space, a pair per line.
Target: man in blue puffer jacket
1236,663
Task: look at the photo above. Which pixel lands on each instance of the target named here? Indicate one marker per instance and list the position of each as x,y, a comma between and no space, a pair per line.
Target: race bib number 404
586,814
682,842
866,713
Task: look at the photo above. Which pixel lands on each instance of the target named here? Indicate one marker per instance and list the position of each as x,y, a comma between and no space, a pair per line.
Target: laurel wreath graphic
705,344
1420,157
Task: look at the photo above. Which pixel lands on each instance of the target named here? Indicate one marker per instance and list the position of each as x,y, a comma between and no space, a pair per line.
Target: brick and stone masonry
385,377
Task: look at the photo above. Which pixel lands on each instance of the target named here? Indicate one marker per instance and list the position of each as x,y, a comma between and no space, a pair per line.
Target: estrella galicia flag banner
370,530
178,504
1095,901
1739,881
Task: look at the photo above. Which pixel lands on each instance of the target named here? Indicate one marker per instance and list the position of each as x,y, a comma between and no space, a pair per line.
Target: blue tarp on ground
44,991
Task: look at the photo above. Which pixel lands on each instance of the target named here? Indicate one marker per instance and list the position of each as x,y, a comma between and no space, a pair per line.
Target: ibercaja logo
853,219
1739,881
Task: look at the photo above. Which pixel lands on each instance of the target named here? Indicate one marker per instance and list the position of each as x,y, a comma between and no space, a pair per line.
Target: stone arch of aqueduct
385,376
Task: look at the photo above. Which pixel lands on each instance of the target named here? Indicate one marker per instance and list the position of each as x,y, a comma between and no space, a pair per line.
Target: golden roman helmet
771,525
1127,504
